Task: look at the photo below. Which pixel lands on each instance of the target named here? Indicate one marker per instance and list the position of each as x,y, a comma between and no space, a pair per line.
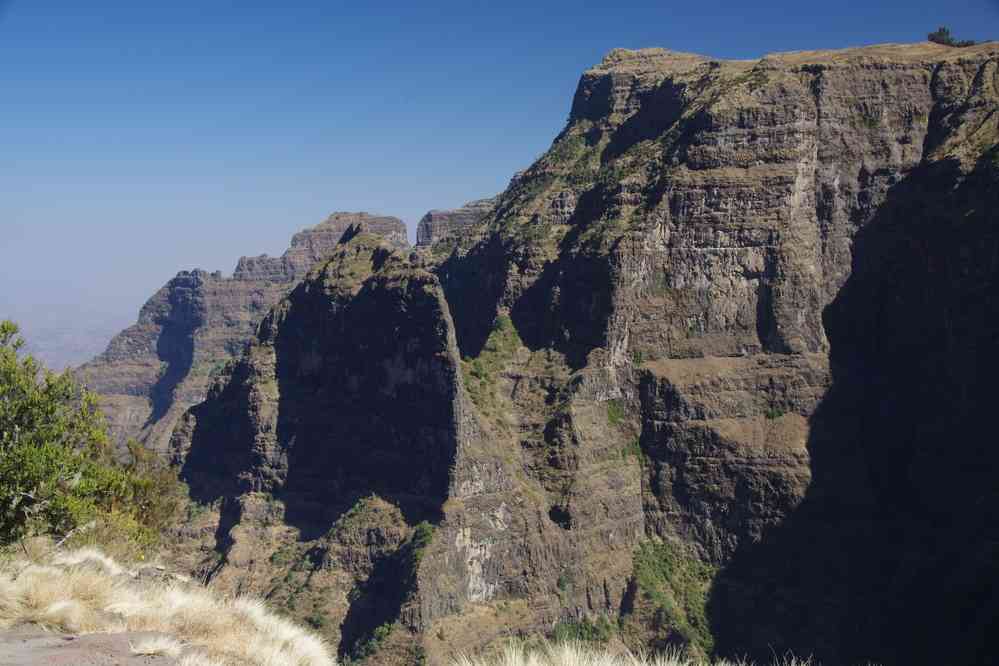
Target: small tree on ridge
943,36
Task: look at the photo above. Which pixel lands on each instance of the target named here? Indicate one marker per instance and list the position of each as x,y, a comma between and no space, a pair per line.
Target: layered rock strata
440,225
741,310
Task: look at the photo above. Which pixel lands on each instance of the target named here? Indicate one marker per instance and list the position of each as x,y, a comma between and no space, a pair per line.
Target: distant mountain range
61,345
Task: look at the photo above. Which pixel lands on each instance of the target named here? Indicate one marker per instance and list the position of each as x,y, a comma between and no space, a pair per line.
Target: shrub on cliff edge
57,472
942,36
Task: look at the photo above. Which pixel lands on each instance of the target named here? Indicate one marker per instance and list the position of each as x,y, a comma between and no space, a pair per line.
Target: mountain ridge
710,371
152,371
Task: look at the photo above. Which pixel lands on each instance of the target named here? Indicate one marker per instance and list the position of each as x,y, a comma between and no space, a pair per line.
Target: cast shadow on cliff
473,286
378,600
567,306
353,417
568,300
349,393
893,555
175,349
659,109
564,308
367,392
356,401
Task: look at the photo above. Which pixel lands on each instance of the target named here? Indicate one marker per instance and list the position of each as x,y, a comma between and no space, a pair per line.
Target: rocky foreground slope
712,372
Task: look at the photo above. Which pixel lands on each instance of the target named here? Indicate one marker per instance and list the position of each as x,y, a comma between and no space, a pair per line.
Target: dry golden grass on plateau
579,654
86,592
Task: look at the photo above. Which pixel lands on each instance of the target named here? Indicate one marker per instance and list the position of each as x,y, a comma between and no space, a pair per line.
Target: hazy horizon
140,141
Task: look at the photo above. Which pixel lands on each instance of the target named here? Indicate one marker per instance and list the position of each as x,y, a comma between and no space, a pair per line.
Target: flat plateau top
920,52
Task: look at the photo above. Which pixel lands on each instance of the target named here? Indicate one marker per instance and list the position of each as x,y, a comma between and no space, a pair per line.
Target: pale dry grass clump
158,645
86,592
580,654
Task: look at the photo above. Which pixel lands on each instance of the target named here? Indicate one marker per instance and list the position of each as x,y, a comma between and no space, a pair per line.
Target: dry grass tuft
580,654
88,556
158,645
86,592
197,659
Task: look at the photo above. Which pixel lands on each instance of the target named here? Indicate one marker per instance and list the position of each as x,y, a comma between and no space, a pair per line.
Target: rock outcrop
742,310
311,245
154,370
441,225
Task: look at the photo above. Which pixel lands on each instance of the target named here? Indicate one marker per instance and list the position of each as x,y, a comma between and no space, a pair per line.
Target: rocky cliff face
714,367
151,372
311,245
441,225
347,424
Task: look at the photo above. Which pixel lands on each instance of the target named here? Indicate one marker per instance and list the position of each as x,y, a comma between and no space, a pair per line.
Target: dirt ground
31,646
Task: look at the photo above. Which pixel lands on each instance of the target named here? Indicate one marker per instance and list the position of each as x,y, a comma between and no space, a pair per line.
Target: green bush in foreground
57,472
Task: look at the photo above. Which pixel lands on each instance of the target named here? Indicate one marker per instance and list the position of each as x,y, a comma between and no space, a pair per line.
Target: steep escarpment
714,370
342,421
348,444
154,370
900,514
326,385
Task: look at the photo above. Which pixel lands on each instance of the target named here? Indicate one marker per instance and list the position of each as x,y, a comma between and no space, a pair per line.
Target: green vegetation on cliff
600,630
423,534
480,373
676,585
57,473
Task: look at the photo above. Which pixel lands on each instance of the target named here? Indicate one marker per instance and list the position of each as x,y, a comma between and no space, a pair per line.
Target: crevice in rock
560,516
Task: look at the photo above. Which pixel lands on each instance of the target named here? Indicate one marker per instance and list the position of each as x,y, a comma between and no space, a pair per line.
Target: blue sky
141,138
